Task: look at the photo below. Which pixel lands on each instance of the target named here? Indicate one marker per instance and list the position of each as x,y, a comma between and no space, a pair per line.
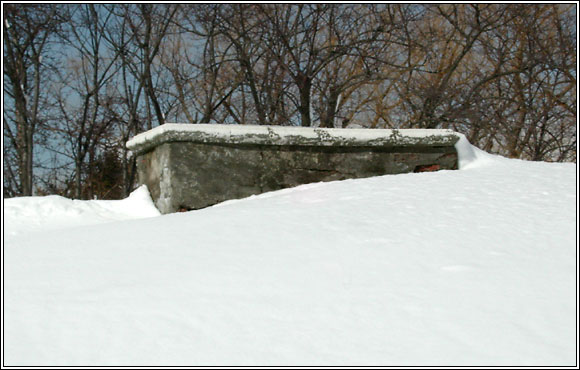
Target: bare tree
200,63
369,46
81,94
541,105
28,31
147,26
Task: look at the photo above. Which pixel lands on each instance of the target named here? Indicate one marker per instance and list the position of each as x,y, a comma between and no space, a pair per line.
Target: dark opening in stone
427,168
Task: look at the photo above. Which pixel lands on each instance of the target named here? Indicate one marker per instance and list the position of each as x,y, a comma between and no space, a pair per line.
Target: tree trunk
26,165
304,84
78,190
331,106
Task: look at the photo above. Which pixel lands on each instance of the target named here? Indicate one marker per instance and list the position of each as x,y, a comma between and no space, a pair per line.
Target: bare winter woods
81,79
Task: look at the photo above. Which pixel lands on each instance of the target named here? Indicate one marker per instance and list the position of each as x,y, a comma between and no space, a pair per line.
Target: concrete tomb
192,166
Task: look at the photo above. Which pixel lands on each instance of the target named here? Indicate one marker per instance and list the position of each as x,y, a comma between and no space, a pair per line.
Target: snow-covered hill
469,267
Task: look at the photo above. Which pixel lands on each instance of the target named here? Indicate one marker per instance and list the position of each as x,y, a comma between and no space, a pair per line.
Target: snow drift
31,214
468,267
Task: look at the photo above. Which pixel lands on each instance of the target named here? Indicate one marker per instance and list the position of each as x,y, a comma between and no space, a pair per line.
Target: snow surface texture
468,267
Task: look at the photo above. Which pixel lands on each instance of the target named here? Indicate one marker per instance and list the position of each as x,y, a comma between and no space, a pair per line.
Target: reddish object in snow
428,168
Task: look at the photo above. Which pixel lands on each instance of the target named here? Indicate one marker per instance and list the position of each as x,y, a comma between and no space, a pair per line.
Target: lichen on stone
284,135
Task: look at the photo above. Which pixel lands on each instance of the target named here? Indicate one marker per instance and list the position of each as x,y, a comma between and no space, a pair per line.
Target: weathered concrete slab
195,166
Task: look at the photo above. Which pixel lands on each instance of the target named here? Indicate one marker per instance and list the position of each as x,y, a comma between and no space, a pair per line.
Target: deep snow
469,267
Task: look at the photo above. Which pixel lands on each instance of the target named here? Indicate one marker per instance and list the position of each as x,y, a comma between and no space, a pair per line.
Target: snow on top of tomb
288,135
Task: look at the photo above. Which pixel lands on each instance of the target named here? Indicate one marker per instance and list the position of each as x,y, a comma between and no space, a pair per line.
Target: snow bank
34,214
469,156
451,268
